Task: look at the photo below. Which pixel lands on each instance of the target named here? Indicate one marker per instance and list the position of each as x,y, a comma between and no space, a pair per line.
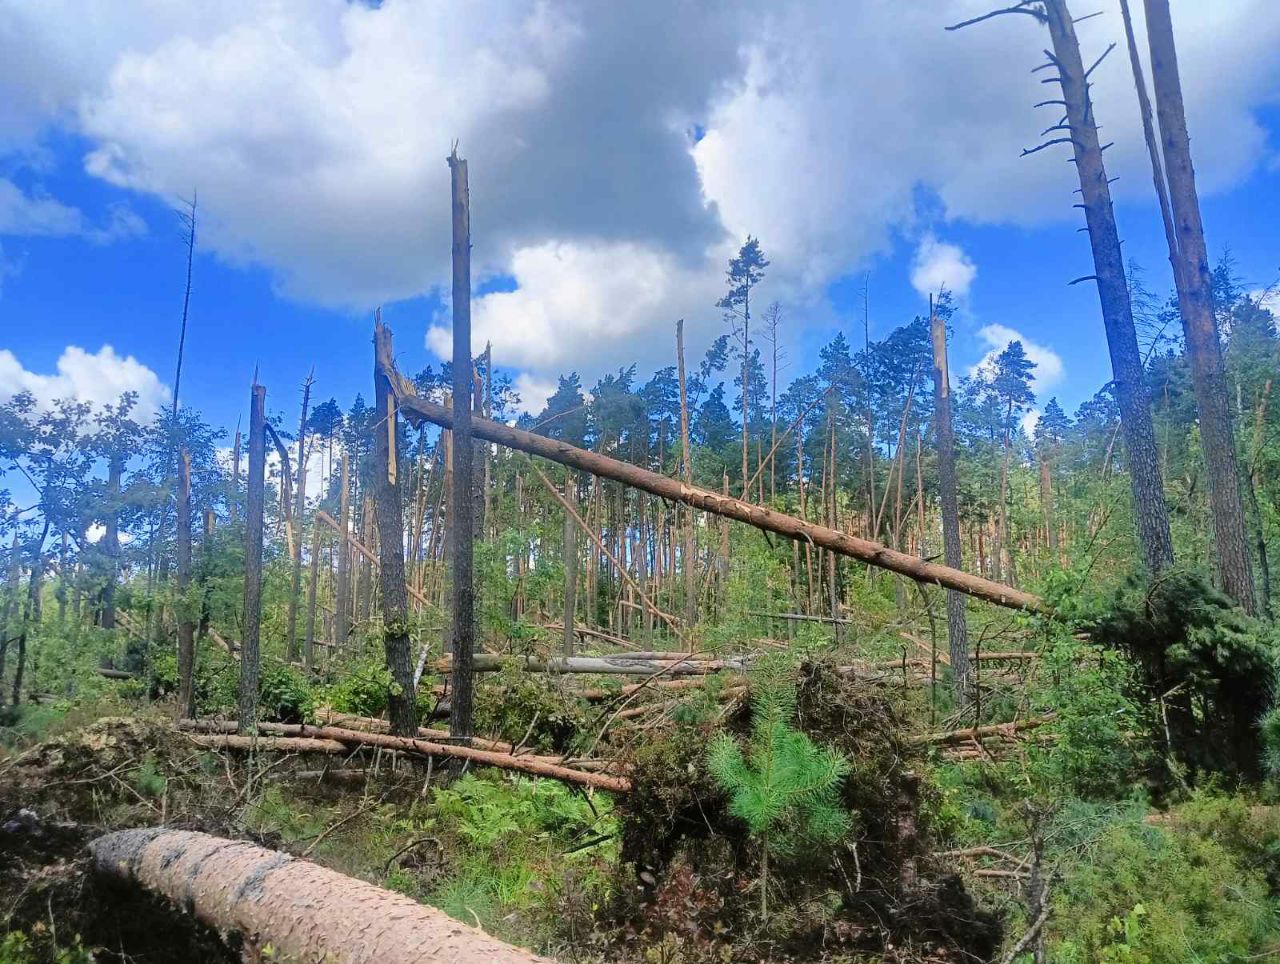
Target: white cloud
533,392
1049,369
97,530
939,265
1268,298
98,378
594,299
40,215
316,130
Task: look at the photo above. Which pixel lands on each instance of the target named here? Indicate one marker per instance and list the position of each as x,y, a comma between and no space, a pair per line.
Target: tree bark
111,539
957,625
302,911
401,700
186,608
418,409
1195,301
254,498
461,505
1150,511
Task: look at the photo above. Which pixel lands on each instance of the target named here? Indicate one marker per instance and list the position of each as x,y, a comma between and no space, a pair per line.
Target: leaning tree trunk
957,626
186,606
1150,510
300,910
418,409
1190,261
401,699
254,497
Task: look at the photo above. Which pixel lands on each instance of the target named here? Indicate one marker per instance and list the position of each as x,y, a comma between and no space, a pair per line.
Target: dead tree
1190,260
418,410
299,508
957,625
188,219
1078,127
186,606
401,700
313,582
255,496
570,564
461,504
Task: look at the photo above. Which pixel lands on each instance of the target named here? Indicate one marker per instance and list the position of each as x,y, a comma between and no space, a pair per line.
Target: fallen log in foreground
305,912
420,410
532,765
975,733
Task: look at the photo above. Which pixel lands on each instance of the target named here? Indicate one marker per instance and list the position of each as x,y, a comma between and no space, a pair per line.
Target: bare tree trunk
570,567
1190,261
235,477
957,626
342,591
30,611
189,221
1150,510
186,606
461,506
686,461
111,540
402,704
313,582
299,510
254,498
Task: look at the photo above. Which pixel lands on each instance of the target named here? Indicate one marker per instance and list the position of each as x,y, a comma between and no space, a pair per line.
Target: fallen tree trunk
303,911
276,744
418,410
617,665
976,733
532,765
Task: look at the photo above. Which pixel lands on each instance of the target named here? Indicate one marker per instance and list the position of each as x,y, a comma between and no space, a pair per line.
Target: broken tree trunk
461,504
957,625
256,492
301,910
419,409
401,698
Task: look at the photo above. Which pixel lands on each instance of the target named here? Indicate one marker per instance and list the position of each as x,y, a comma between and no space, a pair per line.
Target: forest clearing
889,659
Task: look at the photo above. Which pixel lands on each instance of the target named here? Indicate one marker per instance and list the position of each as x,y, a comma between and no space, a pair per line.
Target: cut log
976,733
305,912
114,673
418,410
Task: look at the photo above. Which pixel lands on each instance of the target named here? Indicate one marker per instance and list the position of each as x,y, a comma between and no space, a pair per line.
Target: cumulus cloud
316,131
939,265
577,298
1049,369
95,377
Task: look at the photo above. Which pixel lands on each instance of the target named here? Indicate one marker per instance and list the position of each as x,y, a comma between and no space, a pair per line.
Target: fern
784,787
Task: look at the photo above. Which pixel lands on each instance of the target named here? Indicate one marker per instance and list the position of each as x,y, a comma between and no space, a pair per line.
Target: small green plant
784,787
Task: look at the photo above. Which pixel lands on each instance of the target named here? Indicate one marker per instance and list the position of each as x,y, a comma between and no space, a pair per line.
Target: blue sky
316,135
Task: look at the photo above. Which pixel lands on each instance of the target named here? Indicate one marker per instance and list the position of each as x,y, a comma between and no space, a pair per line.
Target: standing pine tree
745,272
1011,387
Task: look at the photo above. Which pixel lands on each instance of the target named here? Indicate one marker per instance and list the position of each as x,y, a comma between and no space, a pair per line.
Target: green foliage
531,708
1204,661
784,787
363,688
1096,751
1160,896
